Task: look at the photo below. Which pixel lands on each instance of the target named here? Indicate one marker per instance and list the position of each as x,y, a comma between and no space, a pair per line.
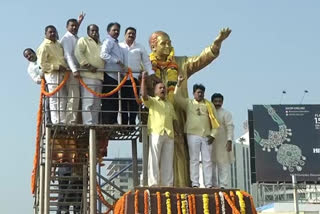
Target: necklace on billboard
288,155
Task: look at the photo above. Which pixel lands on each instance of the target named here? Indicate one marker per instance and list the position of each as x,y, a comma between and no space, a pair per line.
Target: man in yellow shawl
167,67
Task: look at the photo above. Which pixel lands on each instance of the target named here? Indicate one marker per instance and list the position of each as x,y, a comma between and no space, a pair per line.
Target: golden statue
167,67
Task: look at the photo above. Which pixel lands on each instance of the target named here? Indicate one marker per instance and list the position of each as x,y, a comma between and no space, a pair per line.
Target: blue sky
274,46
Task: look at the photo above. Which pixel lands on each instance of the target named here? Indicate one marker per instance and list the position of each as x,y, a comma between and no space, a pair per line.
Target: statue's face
163,46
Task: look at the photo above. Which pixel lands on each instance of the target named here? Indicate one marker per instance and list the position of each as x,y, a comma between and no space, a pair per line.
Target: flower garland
194,204
36,157
168,202
231,203
146,202
159,202
223,206
103,200
167,71
253,209
232,199
178,204
216,198
241,202
187,204
136,202
190,204
134,87
121,203
184,204
205,199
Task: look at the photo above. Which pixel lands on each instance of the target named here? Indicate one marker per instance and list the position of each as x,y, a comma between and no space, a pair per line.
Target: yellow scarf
213,120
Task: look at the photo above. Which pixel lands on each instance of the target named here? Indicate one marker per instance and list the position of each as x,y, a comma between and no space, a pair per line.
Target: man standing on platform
112,54
52,62
87,53
36,75
68,42
161,134
200,128
135,56
222,154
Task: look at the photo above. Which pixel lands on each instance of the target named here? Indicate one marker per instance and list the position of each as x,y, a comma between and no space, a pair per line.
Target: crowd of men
208,127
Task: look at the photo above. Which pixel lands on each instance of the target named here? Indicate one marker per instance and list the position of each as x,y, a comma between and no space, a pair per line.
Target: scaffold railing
68,154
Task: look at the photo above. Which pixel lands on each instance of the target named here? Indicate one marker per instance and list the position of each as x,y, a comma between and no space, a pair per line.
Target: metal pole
295,193
85,189
41,186
99,183
93,171
134,163
145,155
47,172
119,99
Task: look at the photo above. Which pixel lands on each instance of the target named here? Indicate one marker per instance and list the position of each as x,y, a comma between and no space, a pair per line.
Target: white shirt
135,56
111,53
68,42
35,72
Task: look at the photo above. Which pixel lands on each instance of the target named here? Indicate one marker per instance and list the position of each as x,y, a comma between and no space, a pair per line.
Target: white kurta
224,133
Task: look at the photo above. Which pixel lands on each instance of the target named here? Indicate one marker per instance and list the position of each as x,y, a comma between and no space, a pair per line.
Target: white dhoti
73,99
58,101
222,159
160,163
91,105
198,144
221,175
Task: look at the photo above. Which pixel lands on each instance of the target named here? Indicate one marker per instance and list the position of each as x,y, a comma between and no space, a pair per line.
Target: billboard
286,141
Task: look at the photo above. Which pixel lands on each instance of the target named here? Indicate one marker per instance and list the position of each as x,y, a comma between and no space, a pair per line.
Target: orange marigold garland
36,157
231,203
159,202
136,202
146,204
134,87
190,204
194,204
123,81
102,199
253,208
216,198
178,203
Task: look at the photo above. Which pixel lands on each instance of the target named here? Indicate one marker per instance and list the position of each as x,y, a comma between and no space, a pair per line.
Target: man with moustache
53,65
87,52
68,42
161,134
36,75
200,129
112,54
136,58
222,154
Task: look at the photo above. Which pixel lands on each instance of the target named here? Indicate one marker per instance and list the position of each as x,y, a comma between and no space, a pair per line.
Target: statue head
160,44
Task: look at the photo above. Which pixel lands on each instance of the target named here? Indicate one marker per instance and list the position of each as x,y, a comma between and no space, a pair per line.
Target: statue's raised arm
196,63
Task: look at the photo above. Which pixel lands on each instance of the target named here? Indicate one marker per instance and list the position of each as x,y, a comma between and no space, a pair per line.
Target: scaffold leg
41,187
145,155
93,171
47,173
135,163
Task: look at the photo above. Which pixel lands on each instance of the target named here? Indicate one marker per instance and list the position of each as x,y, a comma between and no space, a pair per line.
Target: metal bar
118,173
119,101
99,182
135,170
47,172
110,183
295,193
145,155
93,171
85,189
108,194
41,188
